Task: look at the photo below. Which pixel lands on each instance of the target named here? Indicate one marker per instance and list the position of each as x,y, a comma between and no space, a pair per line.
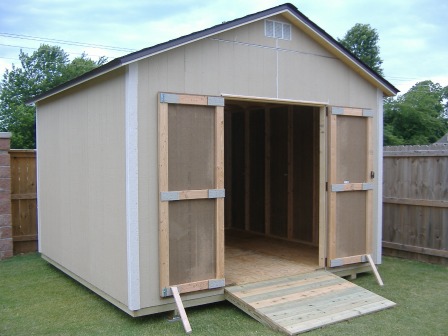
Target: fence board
24,200
415,202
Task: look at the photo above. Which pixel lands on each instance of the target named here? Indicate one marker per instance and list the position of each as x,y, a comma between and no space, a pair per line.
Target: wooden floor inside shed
252,258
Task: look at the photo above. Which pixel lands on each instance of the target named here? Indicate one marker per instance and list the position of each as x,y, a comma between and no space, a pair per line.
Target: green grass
37,299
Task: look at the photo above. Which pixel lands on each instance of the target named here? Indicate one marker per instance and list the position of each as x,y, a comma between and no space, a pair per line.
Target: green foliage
45,69
362,41
418,117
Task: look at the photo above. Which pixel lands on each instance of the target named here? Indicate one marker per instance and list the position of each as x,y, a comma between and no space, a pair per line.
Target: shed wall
81,172
239,62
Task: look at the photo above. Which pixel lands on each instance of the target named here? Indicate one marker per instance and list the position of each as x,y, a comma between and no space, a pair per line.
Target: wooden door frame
333,188
165,195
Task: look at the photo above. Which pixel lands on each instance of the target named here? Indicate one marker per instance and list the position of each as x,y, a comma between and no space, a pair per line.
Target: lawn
37,299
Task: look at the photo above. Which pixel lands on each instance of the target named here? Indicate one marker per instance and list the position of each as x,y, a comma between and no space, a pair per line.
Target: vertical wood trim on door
163,206
219,184
228,167
331,195
322,182
369,195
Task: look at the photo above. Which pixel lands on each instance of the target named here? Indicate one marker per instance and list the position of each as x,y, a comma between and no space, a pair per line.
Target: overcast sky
413,33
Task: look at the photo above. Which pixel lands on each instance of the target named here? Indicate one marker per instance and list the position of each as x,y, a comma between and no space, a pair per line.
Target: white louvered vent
276,29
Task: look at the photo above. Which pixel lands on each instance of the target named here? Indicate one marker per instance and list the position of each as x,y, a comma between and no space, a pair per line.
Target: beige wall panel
200,72
82,174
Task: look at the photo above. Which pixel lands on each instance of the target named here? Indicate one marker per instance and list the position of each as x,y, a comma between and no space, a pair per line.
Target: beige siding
240,62
81,167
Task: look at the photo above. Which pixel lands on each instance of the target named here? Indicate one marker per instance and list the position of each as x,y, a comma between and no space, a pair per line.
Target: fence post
6,243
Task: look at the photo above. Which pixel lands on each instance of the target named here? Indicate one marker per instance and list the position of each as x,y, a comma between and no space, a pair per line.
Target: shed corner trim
132,213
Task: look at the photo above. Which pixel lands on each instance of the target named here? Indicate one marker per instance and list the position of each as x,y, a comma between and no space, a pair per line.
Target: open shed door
191,194
350,186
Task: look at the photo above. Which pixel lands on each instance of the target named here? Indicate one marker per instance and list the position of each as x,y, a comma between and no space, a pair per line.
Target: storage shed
244,152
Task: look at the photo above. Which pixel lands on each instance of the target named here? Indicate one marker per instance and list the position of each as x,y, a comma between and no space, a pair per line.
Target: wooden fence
415,202
23,200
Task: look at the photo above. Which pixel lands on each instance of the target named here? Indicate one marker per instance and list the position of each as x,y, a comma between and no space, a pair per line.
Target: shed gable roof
287,10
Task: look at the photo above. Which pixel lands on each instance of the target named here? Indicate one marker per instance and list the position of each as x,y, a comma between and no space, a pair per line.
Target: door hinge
326,186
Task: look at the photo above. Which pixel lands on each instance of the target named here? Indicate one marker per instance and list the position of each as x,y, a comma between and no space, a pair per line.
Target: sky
413,33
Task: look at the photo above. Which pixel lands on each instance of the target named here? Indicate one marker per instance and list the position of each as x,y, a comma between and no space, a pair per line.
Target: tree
418,117
362,41
45,69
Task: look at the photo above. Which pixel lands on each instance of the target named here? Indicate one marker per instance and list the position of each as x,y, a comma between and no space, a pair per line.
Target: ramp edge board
297,304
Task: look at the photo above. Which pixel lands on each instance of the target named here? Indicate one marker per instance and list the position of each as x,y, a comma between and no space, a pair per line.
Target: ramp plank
296,304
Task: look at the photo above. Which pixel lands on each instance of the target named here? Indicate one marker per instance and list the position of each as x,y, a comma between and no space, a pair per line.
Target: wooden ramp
303,302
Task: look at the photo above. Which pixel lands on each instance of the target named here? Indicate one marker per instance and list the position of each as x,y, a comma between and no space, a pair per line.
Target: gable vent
276,29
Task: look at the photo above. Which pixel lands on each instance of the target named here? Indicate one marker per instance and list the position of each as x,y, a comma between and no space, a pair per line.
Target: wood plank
181,309
31,196
350,260
323,232
338,317
288,285
347,187
332,128
163,206
416,202
193,286
348,111
416,249
23,238
219,184
337,298
375,270
316,177
191,99
310,314
369,197
193,194
428,152
311,306
264,258
299,296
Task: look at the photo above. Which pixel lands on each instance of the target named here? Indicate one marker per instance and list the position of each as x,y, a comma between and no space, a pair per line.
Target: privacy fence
415,202
23,200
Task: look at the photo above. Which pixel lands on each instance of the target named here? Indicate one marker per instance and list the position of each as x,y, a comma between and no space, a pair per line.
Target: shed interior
272,190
